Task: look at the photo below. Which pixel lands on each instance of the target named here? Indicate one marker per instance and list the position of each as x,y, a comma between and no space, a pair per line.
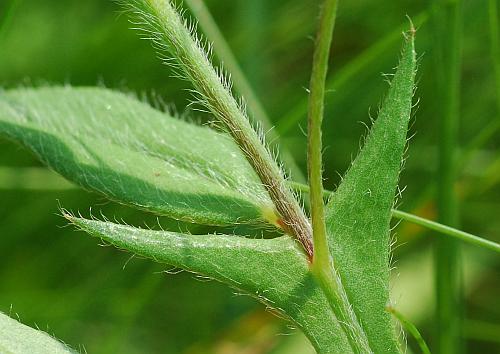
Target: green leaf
359,212
114,144
274,271
17,338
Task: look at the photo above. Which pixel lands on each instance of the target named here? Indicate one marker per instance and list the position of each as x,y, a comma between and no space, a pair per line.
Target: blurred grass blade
21,339
448,22
495,45
7,16
114,144
349,72
359,211
482,331
410,327
274,271
32,178
225,55
241,84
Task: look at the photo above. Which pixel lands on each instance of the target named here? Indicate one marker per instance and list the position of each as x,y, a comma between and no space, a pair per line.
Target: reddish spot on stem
281,224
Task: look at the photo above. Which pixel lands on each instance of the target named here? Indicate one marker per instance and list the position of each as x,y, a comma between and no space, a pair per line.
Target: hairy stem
432,225
332,286
241,84
315,118
169,32
323,265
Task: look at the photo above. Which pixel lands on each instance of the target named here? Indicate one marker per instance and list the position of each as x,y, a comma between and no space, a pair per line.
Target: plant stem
447,230
410,327
169,32
432,225
448,24
331,284
224,53
323,265
315,117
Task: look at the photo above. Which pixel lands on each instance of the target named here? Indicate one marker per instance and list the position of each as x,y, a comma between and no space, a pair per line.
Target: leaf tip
76,221
412,31
67,215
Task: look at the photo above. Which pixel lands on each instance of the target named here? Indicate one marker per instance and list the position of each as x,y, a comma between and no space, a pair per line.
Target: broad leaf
359,212
112,143
274,271
17,338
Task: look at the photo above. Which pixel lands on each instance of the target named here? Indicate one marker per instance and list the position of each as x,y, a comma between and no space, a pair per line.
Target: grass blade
410,327
447,230
495,45
349,72
448,23
6,19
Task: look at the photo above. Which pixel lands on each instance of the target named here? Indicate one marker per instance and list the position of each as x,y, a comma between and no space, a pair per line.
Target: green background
101,299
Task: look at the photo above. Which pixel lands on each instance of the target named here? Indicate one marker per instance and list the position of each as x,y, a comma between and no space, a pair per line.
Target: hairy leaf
274,271
21,339
114,144
359,212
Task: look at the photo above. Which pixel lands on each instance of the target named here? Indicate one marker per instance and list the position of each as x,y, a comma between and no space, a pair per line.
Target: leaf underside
274,271
18,338
111,143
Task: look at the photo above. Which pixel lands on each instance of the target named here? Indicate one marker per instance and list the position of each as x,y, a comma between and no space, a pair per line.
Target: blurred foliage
105,301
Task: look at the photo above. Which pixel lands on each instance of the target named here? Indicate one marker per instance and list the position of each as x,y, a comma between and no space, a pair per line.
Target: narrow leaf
114,144
21,339
359,212
274,271
410,328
